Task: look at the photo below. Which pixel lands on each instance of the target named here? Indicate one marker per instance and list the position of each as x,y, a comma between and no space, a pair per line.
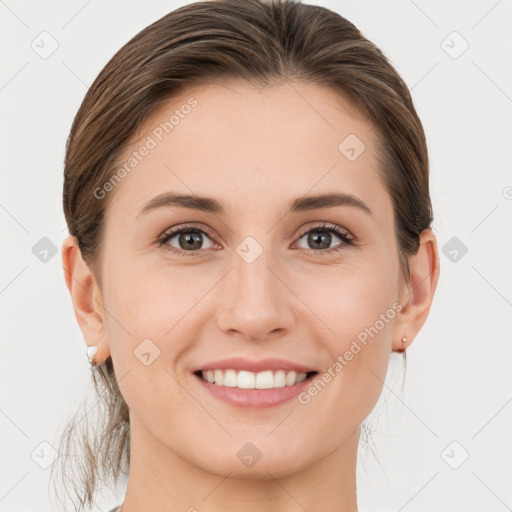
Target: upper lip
251,365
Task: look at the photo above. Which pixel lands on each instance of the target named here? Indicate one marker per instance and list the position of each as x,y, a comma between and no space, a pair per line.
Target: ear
86,297
417,295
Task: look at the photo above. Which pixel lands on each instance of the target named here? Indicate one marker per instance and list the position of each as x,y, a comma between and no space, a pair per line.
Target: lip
251,365
254,398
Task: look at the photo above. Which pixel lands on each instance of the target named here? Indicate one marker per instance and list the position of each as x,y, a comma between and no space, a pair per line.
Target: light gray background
458,382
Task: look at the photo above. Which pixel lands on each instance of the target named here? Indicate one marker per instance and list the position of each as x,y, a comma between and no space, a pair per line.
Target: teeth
250,380
230,378
291,378
300,378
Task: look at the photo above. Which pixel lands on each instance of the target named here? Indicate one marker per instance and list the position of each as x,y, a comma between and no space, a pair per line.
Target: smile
247,389
242,379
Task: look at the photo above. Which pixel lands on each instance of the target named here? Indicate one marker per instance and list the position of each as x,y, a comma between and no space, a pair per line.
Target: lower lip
255,398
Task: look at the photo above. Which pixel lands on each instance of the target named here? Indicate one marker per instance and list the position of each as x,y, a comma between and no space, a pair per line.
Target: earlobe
424,275
85,296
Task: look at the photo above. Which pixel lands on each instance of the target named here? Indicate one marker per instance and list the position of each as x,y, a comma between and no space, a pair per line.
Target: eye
320,238
189,240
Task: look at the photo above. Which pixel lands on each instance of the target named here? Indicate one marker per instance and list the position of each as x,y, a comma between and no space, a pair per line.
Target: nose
256,302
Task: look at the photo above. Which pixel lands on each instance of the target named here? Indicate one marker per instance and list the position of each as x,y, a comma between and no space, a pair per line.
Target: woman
247,196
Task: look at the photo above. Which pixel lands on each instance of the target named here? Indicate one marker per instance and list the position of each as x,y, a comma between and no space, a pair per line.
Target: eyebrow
210,205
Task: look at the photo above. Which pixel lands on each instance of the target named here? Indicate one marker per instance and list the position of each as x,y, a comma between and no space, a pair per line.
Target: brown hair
255,40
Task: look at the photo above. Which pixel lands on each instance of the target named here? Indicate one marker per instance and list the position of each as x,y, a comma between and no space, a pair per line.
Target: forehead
248,145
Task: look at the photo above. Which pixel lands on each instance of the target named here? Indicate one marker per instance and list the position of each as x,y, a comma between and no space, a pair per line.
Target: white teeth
280,379
230,379
264,380
246,380
290,378
249,380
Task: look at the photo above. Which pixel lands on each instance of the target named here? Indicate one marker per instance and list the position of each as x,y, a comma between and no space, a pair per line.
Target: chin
262,470
260,459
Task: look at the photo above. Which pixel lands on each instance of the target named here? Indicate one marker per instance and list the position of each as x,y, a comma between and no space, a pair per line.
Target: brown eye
319,238
186,240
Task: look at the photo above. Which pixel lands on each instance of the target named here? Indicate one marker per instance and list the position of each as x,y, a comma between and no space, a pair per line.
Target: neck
162,481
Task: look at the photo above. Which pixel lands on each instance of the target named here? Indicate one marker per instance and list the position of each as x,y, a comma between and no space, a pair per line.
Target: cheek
156,311
358,309
349,386
152,299
150,332
350,298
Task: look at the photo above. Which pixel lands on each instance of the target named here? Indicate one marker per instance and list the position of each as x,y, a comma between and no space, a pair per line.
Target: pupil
188,239
317,238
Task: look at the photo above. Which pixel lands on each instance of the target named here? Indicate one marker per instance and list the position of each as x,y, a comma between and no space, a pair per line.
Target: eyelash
347,239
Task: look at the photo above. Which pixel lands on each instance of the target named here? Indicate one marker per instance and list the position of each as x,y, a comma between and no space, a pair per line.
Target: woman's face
257,277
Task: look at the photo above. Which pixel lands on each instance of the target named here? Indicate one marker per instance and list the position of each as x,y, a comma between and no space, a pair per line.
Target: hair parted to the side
263,42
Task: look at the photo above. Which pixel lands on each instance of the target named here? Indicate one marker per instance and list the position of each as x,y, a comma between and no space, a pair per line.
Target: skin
254,149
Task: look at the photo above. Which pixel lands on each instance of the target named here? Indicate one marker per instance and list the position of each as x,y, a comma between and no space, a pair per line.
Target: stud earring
404,341
91,351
